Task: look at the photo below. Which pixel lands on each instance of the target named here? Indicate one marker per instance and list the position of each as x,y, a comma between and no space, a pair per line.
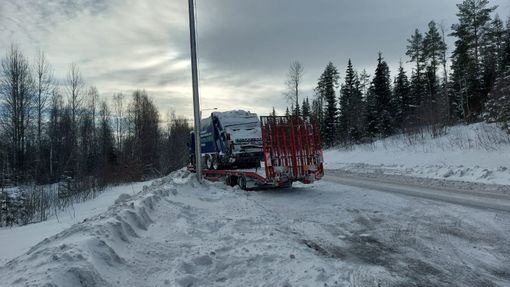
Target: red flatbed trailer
292,152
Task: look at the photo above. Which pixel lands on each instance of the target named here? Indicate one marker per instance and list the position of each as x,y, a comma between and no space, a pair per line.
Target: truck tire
208,162
215,162
241,181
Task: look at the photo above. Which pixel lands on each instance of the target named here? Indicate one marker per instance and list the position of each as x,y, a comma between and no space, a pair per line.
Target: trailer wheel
241,181
287,185
231,180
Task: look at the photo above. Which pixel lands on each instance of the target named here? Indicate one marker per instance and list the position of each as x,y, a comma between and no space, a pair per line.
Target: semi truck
289,147
230,139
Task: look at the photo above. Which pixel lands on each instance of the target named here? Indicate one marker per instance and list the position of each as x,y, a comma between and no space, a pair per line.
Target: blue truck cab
230,139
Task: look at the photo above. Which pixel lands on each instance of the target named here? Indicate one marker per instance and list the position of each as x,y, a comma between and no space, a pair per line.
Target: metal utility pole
196,98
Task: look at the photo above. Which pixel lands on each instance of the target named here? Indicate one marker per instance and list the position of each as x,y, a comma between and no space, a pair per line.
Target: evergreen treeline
471,85
64,133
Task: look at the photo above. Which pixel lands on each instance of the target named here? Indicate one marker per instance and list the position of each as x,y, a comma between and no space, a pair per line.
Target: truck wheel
241,181
208,161
215,163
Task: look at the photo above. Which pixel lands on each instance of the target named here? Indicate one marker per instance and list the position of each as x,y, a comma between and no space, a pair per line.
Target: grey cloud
244,46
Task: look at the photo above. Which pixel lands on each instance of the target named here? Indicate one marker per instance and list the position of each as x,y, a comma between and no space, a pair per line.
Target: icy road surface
178,233
476,195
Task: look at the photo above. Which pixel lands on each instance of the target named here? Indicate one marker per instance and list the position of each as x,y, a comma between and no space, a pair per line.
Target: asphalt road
470,198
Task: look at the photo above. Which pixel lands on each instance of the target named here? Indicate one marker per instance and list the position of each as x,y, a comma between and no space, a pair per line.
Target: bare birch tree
16,93
43,86
294,77
118,109
75,86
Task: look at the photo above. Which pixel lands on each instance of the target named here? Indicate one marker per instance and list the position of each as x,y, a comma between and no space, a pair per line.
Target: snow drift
474,153
86,254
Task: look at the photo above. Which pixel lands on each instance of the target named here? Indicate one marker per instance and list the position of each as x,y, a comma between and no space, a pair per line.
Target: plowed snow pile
174,232
17,240
473,153
179,233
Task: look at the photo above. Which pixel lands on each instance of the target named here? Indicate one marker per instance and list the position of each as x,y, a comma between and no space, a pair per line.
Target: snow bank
17,240
173,233
86,254
475,153
179,233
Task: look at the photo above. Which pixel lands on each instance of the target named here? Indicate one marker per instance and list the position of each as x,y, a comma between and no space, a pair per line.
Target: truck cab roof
237,119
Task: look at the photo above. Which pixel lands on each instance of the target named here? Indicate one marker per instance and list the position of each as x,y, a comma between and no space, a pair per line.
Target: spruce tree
416,53
492,53
402,95
364,81
350,122
415,50
370,114
468,88
433,46
498,104
497,108
344,103
433,49
305,109
296,111
461,77
497,40
381,106
273,113
445,84
325,92
316,112
505,57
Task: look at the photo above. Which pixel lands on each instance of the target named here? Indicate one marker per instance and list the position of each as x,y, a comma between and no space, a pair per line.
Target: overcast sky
245,47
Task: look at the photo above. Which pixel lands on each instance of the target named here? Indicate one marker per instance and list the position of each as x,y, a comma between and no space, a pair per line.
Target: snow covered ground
179,233
474,153
17,240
